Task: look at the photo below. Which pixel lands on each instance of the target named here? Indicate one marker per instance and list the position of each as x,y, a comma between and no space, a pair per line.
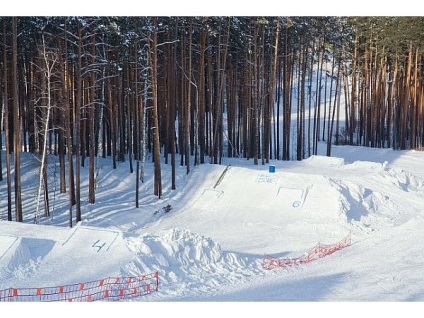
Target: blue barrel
271,169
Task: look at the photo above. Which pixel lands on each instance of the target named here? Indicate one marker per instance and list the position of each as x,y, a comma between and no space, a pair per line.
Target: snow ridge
365,204
188,263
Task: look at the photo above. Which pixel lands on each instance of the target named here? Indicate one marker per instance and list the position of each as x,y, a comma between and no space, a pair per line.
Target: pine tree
153,77
16,123
6,122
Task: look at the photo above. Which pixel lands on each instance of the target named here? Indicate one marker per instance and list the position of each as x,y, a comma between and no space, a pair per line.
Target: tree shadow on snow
311,289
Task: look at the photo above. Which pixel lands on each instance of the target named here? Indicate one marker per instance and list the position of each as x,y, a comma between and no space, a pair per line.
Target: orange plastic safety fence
108,289
318,251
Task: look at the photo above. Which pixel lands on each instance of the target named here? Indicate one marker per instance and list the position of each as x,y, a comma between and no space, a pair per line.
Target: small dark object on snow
165,209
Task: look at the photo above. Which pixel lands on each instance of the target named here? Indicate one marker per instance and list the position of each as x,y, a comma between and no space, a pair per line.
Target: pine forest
186,91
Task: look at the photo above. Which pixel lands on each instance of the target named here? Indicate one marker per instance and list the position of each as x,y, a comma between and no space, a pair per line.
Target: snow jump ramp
253,189
92,239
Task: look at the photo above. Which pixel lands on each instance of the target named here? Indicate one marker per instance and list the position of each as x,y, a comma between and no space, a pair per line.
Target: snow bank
27,256
324,161
187,262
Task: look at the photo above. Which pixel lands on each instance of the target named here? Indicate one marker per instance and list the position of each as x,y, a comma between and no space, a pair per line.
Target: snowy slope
210,245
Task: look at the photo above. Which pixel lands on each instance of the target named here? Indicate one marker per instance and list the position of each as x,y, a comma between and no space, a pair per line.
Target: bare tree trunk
49,61
91,126
414,104
255,99
67,120
182,99
331,95
77,129
153,73
188,109
310,79
201,113
137,120
395,107
287,79
264,109
173,102
16,127
130,115
352,126
217,138
335,106
301,121
348,107
405,102
61,130
279,93
6,123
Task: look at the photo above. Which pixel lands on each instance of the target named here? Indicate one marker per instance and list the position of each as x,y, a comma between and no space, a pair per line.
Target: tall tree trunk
156,147
6,122
137,120
46,111
395,107
301,126
188,109
128,91
405,102
62,121
348,107
279,93
77,138
287,79
201,81
182,101
353,107
67,114
310,81
173,107
255,100
91,126
16,126
218,131
414,104
335,106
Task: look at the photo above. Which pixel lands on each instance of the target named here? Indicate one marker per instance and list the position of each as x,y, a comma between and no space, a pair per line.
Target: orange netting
108,289
318,251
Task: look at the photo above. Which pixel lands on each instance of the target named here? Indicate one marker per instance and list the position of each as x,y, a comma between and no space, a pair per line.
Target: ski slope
210,244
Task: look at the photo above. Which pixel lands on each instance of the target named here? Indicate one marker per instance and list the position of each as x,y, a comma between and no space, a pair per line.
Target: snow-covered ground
207,239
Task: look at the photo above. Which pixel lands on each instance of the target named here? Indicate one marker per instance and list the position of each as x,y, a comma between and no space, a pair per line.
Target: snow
208,238
209,244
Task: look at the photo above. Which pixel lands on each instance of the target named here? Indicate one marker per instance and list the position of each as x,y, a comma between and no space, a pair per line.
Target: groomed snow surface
208,239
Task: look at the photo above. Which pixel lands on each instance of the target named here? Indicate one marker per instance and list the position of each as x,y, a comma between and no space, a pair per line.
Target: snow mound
366,165
317,160
24,256
364,207
403,179
375,202
188,262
